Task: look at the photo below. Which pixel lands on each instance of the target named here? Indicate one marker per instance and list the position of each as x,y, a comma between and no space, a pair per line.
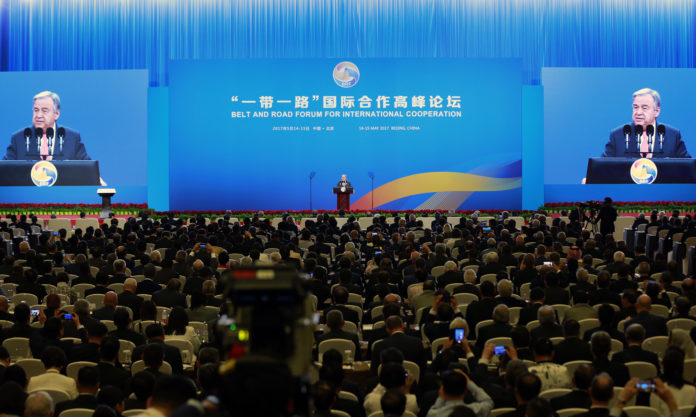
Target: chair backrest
533,325
500,341
500,411
110,326
465,298
125,350
96,299
437,271
492,278
525,290
32,367
482,323
560,310
436,344
18,347
690,370
659,310
656,344
58,396
642,370
684,324
553,393
74,367
587,324
349,326
77,412
573,365
26,298
357,310
138,366
556,340
116,287
514,315
640,411
339,413
6,324
346,347
80,289
569,412
132,412
184,346
347,395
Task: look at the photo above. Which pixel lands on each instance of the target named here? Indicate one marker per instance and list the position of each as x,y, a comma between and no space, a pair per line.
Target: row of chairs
631,411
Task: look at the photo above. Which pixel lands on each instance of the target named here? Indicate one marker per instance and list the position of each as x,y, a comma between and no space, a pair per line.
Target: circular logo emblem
44,174
346,74
643,171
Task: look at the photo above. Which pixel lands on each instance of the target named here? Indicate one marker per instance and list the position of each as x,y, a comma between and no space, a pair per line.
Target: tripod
591,224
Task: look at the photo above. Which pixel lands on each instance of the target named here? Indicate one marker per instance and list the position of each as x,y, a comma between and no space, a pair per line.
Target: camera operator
577,219
608,215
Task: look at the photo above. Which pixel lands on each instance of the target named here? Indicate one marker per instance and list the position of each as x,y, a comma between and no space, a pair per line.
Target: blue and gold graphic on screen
44,174
437,133
643,171
346,74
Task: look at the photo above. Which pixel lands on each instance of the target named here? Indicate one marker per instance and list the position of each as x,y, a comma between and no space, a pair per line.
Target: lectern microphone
39,134
661,134
27,136
650,131
639,133
627,133
61,135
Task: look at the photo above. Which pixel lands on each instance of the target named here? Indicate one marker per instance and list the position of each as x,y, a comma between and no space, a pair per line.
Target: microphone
627,133
639,133
371,174
661,132
650,130
61,135
312,174
27,136
39,133
49,135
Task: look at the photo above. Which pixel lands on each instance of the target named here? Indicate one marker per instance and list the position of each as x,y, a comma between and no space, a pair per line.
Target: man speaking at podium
47,140
646,137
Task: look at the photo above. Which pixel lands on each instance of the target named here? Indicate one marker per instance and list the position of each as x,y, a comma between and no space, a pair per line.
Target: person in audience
393,403
604,294
12,398
680,338
177,328
21,327
53,360
499,328
155,335
548,327
122,321
39,404
635,334
554,293
107,311
391,376
581,309
110,372
628,306
101,284
682,305
141,384
600,345
411,347
455,387
505,294
605,314
579,397
324,397
128,297
601,392
653,325
450,276
527,387
673,377
483,308
426,298
572,347
30,285
335,323
169,393
89,351
552,375
469,285
339,296
87,387
438,328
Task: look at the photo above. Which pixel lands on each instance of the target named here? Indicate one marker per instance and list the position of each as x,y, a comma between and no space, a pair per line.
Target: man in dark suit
603,293
122,321
21,328
340,299
601,392
87,387
155,335
450,276
555,294
635,334
482,309
572,348
101,284
128,298
107,311
64,144
170,296
335,322
109,373
579,397
148,285
89,351
529,312
499,328
505,295
600,345
411,347
547,325
666,141
653,325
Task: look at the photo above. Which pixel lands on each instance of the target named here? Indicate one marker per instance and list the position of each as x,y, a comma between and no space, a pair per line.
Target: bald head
4,305
198,264
643,303
602,389
394,324
390,298
110,299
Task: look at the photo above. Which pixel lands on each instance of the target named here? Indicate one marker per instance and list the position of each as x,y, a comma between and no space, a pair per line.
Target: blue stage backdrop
583,105
436,134
108,108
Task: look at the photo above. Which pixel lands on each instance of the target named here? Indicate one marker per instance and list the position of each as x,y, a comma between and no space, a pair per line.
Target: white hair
53,96
649,92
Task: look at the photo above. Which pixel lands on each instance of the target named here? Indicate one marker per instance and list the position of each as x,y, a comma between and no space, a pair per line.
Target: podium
618,170
343,198
18,173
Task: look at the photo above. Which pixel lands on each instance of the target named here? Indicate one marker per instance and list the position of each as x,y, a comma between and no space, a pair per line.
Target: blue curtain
125,34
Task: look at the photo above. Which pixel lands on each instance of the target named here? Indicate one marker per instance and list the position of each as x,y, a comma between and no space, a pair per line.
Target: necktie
644,147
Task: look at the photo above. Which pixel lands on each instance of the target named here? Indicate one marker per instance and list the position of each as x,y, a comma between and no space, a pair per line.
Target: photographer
608,215
577,218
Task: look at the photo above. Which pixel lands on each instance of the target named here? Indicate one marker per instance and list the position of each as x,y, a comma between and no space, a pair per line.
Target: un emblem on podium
44,174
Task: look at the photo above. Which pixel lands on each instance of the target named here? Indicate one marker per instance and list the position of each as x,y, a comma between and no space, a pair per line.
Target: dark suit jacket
111,375
528,314
104,313
169,298
553,330
654,325
129,335
636,354
556,295
147,286
132,301
82,401
411,347
605,295
491,331
171,355
480,310
450,277
348,314
72,149
85,352
574,399
672,145
572,349
617,371
342,334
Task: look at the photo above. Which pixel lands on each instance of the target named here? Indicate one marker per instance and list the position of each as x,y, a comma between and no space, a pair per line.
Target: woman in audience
177,328
672,375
